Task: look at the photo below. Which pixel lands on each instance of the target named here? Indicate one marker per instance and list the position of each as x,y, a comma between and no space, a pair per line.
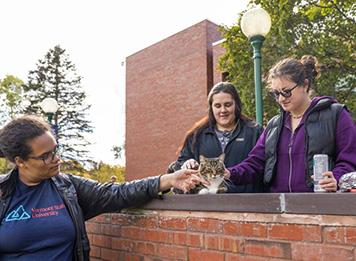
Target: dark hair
229,88
15,135
210,120
296,70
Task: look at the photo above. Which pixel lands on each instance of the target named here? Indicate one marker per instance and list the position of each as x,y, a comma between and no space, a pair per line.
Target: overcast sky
98,35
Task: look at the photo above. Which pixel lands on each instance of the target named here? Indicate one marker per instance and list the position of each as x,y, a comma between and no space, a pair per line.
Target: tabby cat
212,169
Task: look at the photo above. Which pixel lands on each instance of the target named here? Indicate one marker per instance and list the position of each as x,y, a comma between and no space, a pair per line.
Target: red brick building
166,90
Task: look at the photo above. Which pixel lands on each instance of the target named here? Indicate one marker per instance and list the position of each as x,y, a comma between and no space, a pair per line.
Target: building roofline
205,20
218,42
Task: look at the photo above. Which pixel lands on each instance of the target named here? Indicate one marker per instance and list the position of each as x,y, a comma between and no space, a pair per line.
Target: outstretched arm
246,171
185,180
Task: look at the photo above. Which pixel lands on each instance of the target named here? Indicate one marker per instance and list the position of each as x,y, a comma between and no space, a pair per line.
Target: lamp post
50,107
255,24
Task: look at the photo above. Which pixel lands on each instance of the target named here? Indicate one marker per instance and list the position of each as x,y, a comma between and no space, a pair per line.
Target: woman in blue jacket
42,211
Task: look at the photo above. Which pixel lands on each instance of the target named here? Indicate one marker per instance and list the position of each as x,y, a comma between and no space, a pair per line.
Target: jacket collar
317,104
211,129
320,103
5,177
237,131
7,182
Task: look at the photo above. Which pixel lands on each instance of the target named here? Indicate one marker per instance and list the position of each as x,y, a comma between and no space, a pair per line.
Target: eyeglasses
47,157
285,93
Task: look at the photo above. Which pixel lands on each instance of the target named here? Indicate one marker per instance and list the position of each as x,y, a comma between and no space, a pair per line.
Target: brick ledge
282,203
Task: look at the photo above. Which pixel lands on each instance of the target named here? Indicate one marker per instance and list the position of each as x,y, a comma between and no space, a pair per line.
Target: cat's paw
213,191
203,191
222,190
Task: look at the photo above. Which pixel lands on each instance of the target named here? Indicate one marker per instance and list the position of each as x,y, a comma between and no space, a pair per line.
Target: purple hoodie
290,171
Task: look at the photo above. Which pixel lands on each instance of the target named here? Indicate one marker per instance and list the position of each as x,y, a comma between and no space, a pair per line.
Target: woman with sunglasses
42,211
306,126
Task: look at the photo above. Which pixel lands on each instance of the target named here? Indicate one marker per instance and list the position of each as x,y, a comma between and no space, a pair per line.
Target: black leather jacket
85,199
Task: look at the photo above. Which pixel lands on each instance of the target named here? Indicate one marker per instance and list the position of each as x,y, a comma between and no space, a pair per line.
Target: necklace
231,130
296,116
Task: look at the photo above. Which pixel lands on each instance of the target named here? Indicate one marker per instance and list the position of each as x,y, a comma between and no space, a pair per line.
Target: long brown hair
210,120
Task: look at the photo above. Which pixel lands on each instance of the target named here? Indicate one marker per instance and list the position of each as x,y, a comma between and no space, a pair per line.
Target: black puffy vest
320,128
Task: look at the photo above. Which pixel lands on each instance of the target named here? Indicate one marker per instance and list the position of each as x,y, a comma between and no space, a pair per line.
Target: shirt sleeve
345,160
95,198
247,171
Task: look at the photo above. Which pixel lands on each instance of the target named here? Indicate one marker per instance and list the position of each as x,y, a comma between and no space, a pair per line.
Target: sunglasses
285,93
48,157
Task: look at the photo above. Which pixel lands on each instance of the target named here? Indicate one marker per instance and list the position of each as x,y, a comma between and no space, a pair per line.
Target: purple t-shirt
37,225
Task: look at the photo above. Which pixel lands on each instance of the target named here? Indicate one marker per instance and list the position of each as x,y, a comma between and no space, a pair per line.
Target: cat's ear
222,157
201,158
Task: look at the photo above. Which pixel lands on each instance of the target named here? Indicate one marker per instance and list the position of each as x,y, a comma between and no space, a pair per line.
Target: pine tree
56,77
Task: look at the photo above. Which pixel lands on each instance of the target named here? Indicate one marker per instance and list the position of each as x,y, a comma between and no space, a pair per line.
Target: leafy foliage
323,28
102,172
56,77
74,167
5,166
11,102
99,171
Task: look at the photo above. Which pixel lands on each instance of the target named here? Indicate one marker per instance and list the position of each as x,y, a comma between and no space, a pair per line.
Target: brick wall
229,236
166,90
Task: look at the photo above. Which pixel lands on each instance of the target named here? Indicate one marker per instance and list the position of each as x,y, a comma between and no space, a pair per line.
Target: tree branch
337,8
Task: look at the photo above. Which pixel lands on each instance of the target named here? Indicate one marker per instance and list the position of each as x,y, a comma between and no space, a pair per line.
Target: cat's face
212,168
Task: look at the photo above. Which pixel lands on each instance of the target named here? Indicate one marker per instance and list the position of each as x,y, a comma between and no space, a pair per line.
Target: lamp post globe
50,107
255,21
255,24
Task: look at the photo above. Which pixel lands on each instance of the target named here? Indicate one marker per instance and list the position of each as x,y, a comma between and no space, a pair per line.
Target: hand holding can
320,166
329,182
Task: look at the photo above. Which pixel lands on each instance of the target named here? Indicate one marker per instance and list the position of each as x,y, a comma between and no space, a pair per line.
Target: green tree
56,77
323,28
74,167
11,94
5,166
102,172
118,151
98,171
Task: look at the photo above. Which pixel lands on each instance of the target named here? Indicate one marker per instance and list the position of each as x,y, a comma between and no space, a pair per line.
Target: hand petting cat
185,180
190,164
227,174
212,171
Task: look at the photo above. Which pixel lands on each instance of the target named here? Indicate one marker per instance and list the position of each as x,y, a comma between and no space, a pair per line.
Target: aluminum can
320,165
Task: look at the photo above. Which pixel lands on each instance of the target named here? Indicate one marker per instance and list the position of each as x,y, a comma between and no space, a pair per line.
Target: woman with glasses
42,211
306,126
224,130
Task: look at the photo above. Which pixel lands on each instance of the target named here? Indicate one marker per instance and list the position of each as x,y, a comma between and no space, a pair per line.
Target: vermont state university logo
17,215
